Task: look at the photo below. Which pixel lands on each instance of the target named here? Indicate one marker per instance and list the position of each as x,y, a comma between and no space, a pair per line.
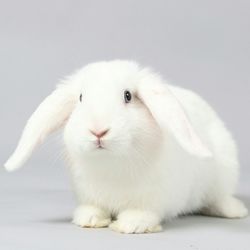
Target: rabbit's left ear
168,112
50,115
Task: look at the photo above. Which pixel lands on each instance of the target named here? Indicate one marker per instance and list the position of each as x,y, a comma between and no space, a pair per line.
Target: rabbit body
140,151
171,184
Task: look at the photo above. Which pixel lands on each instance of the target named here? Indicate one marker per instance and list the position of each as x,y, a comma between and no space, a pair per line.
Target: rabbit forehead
112,75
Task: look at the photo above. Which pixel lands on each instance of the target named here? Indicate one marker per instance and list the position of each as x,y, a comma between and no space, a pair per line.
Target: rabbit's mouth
99,144
100,147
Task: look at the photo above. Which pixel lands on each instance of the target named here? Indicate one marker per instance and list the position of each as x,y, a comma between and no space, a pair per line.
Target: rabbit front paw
136,222
91,216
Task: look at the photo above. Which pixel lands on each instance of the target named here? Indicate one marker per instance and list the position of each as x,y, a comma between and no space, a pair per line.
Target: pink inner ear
169,113
50,115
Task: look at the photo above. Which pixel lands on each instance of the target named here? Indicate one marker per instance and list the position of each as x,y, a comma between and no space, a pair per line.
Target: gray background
202,45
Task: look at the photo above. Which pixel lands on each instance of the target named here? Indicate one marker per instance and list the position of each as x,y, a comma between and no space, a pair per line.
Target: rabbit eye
80,98
127,96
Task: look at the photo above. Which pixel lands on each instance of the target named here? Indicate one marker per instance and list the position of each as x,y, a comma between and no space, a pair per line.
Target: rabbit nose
99,134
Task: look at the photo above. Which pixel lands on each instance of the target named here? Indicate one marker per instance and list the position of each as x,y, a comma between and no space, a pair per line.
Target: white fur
166,153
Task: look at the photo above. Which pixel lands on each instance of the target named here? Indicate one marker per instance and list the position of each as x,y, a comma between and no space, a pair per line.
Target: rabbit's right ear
170,115
51,114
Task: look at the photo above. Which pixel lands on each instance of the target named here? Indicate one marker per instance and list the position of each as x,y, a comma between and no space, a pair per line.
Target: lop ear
169,114
50,115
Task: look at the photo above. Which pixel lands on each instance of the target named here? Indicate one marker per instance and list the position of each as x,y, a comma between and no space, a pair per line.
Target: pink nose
99,134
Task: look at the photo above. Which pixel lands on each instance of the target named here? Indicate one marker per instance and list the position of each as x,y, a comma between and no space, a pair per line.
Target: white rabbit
140,151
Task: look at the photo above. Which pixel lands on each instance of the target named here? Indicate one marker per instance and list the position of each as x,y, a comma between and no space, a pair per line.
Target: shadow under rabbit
194,221
191,222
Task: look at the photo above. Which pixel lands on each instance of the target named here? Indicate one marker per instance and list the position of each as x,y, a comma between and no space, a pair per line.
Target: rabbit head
109,108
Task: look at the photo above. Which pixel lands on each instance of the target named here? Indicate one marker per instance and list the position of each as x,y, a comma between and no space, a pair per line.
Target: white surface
36,210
